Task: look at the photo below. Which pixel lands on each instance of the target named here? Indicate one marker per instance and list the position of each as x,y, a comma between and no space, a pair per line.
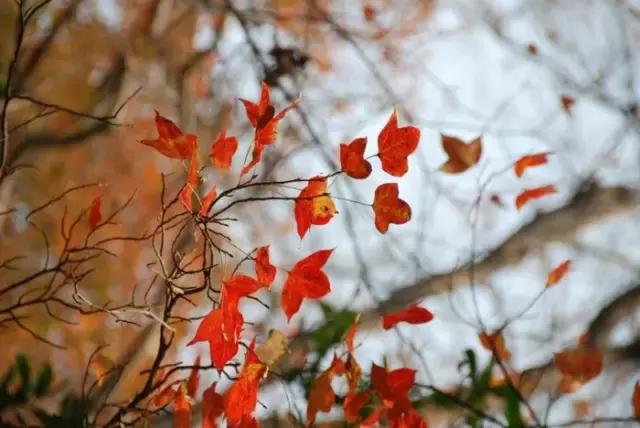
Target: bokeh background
528,76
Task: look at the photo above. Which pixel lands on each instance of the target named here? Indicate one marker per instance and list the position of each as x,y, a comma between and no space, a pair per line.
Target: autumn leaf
222,151
208,201
351,334
388,208
191,185
265,271
535,193
558,273
528,161
412,315
353,404
273,349
635,401
182,408
369,12
495,343
321,396
241,398
461,155
212,407
222,346
233,289
395,145
393,386
264,120
578,366
353,371
305,280
313,205
194,378
567,103
352,159
171,142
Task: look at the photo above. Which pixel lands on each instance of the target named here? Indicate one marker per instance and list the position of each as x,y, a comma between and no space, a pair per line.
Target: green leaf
332,330
512,406
41,386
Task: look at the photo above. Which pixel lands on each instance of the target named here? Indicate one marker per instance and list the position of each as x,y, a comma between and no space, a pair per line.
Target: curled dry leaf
273,349
495,343
529,161
461,155
388,208
558,273
313,206
352,159
171,142
264,120
412,315
395,145
222,151
528,195
306,280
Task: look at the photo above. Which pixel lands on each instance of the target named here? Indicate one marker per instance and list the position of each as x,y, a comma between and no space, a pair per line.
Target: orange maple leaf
222,151
265,122
461,155
578,366
305,280
395,145
352,159
495,343
208,201
388,208
95,214
313,205
265,271
223,344
182,408
321,394
171,142
412,315
191,185
529,161
535,193
558,273
241,398
212,407
353,403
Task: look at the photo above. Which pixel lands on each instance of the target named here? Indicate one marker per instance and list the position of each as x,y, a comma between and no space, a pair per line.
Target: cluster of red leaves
395,144
181,396
388,393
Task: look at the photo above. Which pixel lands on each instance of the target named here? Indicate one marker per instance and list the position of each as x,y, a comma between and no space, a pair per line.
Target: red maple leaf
265,122
265,271
412,315
222,151
352,159
388,208
212,407
395,145
305,281
223,344
528,161
171,142
313,205
536,193
95,214
241,398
